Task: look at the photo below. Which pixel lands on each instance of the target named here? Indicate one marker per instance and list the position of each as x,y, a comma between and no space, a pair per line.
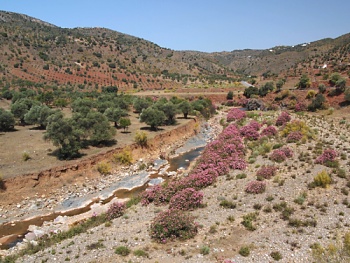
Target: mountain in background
34,51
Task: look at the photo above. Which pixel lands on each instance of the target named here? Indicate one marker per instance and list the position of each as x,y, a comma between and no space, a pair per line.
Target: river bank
57,214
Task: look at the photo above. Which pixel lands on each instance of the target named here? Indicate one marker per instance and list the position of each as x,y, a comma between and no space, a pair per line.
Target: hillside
33,51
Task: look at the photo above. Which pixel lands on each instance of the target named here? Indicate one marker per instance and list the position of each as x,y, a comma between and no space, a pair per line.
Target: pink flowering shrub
278,156
235,114
300,107
287,151
327,157
225,153
251,131
294,136
269,131
115,210
283,118
173,224
267,171
187,199
255,187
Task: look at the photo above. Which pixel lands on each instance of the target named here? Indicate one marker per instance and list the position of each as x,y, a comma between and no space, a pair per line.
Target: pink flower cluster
187,199
280,155
294,136
255,187
221,155
267,171
283,118
328,155
269,131
300,107
235,114
251,130
115,210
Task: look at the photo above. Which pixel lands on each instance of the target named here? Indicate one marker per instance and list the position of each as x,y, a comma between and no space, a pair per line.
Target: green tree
317,102
229,95
21,107
266,88
82,105
170,111
141,103
93,126
7,120
279,85
124,123
63,134
304,82
152,117
250,91
185,108
347,94
38,115
114,114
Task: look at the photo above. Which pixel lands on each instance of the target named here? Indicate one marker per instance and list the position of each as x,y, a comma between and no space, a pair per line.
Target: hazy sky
202,25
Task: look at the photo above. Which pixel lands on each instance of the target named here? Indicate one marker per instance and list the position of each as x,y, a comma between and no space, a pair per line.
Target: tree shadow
37,128
57,153
148,128
188,118
125,132
344,103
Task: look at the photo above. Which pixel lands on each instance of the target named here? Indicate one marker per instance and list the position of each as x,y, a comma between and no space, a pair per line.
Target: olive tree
7,120
152,117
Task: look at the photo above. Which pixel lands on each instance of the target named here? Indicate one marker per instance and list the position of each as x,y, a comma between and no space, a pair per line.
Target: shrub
115,210
2,183
327,157
310,94
276,255
278,156
269,131
235,114
294,136
227,204
255,187
141,253
297,125
122,250
322,179
287,151
205,250
141,138
244,251
267,171
187,199
247,221
250,131
25,156
300,107
173,224
125,157
104,168
283,118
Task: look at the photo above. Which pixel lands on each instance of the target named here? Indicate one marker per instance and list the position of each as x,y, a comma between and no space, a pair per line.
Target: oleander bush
186,199
278,156
327,158
267,171
269,131
294,136
115,210
173,224
283,118
235,114
255,187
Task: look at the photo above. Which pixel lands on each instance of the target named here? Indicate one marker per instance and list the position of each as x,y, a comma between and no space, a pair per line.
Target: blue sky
202,25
